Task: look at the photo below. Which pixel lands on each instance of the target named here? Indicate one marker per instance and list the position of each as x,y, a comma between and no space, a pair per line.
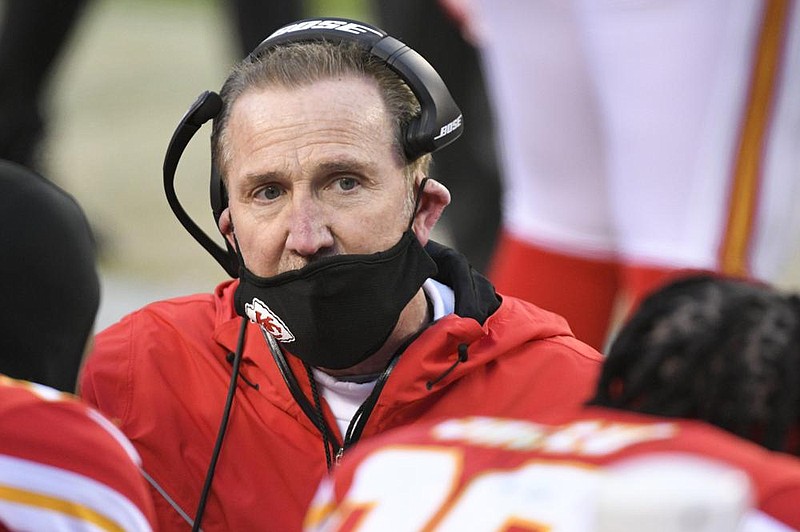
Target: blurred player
719,350
638,140
65,467
50,288
62,465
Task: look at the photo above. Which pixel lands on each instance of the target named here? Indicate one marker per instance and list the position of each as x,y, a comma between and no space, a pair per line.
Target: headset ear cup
219,201
411,140
218,194
440,122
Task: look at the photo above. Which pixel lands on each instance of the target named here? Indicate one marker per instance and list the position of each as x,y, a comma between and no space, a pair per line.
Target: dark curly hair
726,351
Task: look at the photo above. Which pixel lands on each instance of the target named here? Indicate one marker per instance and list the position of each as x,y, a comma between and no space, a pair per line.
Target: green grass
358,9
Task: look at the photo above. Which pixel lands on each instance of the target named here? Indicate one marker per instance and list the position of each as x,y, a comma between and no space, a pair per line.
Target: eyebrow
345,164
338,165
262,177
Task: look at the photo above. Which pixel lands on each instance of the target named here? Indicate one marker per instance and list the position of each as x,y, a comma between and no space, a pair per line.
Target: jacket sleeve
105,381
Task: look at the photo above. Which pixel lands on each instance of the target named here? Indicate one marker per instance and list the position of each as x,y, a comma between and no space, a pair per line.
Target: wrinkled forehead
332,118
342,105
345,103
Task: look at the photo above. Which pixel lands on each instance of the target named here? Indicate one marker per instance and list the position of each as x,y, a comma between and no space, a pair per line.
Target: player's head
50,289
722,350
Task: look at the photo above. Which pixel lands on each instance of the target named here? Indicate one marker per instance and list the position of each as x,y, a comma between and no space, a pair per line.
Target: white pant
620,122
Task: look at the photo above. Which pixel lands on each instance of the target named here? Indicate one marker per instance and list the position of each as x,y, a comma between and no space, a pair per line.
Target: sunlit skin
314,172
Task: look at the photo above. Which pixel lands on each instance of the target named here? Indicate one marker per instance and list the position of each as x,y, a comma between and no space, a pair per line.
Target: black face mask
337,311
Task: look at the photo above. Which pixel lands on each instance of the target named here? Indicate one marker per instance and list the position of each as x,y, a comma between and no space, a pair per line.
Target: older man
350,320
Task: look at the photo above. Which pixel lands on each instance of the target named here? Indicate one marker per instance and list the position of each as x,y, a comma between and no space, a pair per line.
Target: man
349,327
62,465
706,348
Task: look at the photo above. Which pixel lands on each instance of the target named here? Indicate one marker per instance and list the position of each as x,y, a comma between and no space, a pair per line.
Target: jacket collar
488,325
475,295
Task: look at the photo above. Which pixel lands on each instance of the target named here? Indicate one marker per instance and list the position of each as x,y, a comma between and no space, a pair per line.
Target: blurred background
131,68
128,72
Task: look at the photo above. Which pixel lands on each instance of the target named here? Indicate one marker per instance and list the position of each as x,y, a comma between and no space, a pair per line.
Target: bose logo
449,128
338,25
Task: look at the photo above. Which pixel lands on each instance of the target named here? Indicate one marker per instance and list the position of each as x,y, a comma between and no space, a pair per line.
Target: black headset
440,121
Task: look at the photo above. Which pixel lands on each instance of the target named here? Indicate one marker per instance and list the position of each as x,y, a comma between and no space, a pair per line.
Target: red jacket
552,473
162,375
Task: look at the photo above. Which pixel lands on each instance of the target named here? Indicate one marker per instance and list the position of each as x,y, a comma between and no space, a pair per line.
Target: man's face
313,172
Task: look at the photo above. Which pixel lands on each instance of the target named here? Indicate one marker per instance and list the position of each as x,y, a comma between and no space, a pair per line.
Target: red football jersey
65,467
598,470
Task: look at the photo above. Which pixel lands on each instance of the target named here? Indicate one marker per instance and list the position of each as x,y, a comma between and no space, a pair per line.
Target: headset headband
439,123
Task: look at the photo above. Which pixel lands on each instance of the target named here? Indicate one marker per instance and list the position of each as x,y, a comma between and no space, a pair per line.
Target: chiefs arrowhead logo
260,313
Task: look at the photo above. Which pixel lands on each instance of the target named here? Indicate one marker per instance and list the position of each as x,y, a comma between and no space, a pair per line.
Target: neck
413,318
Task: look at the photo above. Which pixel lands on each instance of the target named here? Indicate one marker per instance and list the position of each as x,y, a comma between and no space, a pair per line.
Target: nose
308,232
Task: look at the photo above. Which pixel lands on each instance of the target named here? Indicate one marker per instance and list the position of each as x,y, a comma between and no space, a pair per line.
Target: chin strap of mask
237,359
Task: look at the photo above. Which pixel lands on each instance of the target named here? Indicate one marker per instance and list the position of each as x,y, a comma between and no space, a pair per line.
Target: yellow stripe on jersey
58,505
734,249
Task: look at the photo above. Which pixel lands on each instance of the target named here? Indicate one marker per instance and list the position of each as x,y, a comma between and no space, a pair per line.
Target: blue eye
347,183
270,192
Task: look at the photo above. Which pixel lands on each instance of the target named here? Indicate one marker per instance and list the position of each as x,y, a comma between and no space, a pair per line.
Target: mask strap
239,256
416,203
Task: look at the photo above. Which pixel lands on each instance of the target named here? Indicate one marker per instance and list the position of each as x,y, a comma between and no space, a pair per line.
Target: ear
435,197
225,225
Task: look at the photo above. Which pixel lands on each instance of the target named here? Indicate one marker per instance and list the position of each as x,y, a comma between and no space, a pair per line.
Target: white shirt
344,397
